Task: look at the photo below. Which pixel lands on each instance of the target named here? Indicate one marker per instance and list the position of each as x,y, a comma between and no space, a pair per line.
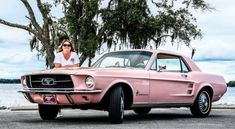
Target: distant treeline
231,84
9,80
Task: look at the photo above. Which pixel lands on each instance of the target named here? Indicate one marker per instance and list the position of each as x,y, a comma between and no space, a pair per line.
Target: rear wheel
48,112
202,104
142,111
116,105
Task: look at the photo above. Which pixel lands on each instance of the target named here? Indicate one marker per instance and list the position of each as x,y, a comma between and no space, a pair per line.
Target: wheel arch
128,94
207,87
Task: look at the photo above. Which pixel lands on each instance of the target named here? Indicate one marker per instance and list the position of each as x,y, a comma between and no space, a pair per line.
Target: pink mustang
118,81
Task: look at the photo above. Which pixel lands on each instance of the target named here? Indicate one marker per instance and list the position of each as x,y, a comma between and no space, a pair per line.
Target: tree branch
165,35
45,19
17,26
31,15
156,4
42,10
158,40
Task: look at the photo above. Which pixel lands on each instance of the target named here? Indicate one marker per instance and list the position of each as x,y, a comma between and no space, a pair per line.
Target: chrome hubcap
204,102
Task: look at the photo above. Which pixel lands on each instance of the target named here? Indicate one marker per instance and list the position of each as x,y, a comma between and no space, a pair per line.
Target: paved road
158,118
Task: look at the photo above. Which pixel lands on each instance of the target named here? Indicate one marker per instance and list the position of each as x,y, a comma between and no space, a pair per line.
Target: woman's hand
75,65
57,65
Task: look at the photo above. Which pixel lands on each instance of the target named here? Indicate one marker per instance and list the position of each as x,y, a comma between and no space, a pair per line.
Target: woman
66,57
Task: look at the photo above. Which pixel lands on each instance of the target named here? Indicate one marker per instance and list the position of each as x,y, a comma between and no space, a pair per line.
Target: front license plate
49,99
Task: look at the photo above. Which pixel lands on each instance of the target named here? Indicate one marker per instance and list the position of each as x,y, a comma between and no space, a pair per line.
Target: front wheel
116,105
48,112
202,104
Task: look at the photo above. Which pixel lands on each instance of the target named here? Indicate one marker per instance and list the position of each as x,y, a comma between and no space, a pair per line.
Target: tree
132,21
44,34
231,84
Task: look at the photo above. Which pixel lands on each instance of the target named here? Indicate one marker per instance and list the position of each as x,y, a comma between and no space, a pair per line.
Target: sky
215,52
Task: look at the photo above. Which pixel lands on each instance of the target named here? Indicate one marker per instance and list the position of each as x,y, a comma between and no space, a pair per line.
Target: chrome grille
49,81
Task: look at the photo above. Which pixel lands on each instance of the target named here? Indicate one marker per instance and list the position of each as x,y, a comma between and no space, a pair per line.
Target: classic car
125,80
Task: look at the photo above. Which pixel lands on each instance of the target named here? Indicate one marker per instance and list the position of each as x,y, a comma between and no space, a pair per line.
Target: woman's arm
75,65
57,60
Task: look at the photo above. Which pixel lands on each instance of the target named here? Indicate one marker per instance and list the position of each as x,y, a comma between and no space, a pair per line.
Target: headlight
90,82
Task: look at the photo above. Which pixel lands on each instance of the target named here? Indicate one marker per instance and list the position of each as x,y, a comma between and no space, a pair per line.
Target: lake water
10,97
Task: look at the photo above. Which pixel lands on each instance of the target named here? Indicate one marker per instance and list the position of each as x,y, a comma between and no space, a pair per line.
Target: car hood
87,71
71,70
82,71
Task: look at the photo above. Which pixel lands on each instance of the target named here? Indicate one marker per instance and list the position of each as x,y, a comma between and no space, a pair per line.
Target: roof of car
189,61
155,50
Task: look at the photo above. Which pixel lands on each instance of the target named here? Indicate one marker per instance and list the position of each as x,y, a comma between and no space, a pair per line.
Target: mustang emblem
48,81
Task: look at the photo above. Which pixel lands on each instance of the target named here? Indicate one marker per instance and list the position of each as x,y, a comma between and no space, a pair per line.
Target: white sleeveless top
73,59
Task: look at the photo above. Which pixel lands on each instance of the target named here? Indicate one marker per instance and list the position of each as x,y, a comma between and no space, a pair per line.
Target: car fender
200,87
114,83
119,81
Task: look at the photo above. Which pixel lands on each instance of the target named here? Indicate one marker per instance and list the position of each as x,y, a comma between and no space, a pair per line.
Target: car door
170,80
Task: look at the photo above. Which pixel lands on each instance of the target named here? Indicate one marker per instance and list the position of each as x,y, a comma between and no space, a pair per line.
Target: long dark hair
60,49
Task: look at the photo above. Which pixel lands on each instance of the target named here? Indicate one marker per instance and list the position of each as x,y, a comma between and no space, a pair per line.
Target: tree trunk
82,59
50,57
89,61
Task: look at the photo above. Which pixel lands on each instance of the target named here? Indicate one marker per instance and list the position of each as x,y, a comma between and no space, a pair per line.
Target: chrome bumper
67,92
59,91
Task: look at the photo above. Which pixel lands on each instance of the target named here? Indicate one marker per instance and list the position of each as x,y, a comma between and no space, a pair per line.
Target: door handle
184,75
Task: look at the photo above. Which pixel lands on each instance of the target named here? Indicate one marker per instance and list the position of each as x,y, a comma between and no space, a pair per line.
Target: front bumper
66,96
60,91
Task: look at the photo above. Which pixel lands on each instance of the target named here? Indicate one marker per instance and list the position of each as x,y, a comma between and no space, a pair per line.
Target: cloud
13,10
218,27
215,48
223,68
17,65
16,58
13,36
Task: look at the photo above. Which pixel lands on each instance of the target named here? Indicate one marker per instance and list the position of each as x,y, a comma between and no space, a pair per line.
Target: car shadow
102,118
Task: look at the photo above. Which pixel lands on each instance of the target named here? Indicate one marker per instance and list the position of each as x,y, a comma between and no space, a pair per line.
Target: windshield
136,59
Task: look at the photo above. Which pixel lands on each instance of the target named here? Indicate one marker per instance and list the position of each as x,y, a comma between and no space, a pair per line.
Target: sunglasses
66,45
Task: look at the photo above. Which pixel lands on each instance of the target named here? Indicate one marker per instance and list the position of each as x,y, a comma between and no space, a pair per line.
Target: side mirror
161,68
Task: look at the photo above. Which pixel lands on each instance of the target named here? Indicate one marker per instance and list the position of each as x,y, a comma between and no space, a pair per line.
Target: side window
168,63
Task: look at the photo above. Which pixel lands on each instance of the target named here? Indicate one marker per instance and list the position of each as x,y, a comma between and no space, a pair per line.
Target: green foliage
8,81
129,19
132,20
231,84
89,47
47,7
